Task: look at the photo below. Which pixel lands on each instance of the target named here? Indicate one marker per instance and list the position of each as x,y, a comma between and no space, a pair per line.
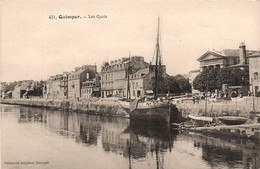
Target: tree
37,90
212,79
233,77
168,84
201,81
225,76
11,86
172,85
241,76
184,84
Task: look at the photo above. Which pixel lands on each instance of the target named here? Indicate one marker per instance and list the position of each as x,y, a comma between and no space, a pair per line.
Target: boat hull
158,113
200,120
147,110
229,120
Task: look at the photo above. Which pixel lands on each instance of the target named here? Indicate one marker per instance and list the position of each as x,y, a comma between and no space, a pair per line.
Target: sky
33,46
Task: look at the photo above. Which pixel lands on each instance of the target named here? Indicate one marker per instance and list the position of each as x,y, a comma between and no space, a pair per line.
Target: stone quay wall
101,107
223,108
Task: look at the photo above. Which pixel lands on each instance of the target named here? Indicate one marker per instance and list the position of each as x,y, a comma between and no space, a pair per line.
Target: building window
256,76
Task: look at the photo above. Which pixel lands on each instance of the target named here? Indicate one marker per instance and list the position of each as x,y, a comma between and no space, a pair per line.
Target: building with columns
225,58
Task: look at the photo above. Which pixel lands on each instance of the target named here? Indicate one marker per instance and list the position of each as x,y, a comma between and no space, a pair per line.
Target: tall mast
128,83
157,60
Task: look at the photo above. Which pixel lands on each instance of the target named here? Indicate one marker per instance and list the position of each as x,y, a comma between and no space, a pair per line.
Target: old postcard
130,84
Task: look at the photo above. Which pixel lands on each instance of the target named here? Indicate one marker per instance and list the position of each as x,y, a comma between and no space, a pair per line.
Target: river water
43,138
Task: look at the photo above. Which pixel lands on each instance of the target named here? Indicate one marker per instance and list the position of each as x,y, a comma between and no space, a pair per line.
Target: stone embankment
221,108
101,107
236,107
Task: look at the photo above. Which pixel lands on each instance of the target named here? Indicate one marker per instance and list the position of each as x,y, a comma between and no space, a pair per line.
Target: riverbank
241,107
235,107
101,107
107,107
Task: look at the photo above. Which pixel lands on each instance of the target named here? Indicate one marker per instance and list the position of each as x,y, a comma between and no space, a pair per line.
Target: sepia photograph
126,84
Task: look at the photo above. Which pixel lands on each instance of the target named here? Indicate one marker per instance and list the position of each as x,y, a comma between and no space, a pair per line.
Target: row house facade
142,81
56,86
68,85
254,72
114,78
114,75
225,58
91,88
77,77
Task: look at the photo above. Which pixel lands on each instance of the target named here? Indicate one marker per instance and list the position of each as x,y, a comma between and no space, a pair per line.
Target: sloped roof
256,54
230,52
144,70
215,53
24,85
225,53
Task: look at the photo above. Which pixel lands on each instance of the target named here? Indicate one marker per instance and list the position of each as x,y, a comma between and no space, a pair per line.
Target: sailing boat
145,108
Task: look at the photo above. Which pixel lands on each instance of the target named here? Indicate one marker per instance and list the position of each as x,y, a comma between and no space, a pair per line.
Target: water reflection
229,152
142,144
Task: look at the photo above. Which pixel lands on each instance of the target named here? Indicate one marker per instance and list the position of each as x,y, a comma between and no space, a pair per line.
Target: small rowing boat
200,120
232,120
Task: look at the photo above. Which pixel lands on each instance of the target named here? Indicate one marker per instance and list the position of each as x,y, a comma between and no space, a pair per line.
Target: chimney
242,53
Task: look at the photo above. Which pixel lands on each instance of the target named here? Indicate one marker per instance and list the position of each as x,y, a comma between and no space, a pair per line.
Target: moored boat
232,120
149,108
200,120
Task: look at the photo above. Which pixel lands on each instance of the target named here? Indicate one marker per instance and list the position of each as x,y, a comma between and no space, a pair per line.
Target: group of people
196,99
224,95
235,94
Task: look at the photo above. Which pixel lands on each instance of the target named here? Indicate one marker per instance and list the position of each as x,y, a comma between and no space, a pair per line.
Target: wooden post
253,94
